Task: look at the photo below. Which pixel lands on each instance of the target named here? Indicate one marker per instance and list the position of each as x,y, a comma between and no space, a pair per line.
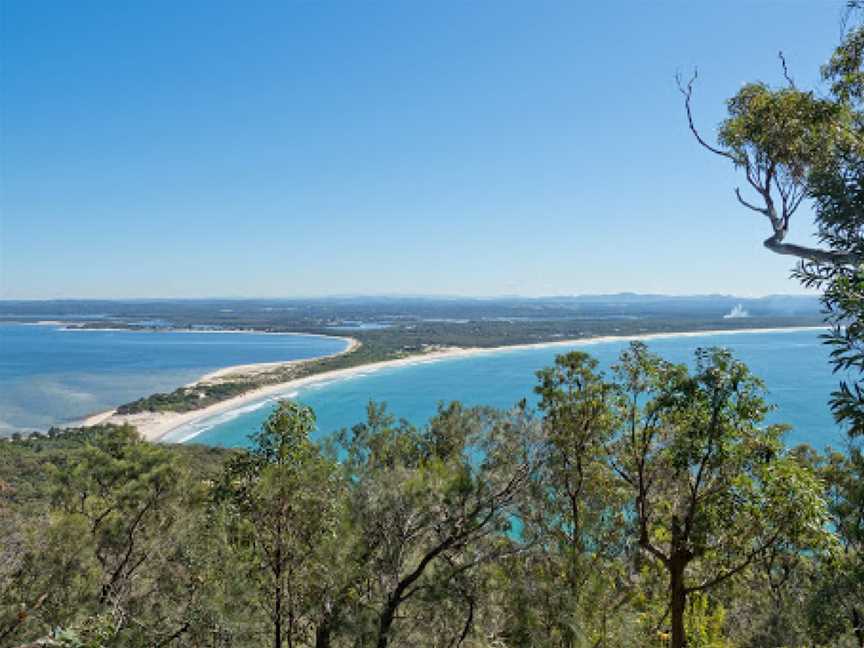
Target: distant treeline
309,314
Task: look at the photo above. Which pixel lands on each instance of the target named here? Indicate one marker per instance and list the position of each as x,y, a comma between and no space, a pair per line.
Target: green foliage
281,505
840,583
573,515
704,623
786,129
838,190
103,533
431,507
185,399
711,489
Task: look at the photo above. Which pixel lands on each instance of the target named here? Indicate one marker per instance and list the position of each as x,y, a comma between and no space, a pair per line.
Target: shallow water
793,364
52,376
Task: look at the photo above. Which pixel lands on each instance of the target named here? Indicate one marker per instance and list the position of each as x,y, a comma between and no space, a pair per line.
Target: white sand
220,375
154,426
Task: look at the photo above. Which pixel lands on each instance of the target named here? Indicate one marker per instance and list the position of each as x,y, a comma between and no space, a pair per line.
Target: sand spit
154,426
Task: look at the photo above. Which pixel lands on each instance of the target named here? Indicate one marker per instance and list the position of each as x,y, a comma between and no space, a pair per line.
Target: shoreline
250,369
155,426
72,326
82,329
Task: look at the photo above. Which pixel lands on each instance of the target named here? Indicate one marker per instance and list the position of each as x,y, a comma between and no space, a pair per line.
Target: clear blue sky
294,148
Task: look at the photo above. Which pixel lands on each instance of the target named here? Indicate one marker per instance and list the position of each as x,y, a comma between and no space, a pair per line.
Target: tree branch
687,91
761,210
791,195
786,74
732,571
775,244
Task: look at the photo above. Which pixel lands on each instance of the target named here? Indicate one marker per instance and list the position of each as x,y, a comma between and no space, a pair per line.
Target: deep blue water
794,366
51,376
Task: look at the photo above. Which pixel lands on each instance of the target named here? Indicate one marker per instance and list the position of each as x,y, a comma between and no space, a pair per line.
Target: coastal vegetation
649,507
184,399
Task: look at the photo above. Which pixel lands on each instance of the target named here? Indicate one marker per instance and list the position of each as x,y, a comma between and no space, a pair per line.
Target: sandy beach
154,426
151,424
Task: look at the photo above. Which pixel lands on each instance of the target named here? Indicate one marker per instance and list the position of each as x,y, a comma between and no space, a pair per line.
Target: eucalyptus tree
791,145
280,503
773,603
431,506
837,604
126,496
711,488
574,519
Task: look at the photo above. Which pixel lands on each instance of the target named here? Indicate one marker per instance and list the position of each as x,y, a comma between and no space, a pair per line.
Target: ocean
53,376
793,364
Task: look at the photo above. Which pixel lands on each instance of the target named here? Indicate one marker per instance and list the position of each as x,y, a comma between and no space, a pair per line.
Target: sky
300,148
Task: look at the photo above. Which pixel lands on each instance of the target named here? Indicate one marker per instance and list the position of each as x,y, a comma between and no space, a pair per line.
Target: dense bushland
649,507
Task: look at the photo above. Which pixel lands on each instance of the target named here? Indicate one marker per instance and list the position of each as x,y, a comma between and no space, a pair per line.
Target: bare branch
687,91
775,244
786,75
748,205
654,551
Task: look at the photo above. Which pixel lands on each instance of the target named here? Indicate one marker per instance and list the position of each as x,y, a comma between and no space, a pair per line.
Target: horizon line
430,296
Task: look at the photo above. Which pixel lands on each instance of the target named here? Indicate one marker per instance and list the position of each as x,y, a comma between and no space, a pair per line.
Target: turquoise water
51,376
794,365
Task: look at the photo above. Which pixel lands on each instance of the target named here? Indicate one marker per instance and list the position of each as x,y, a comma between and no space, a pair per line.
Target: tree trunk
277,619
322,635
678,601
326,623
277,603
386,622
858,627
